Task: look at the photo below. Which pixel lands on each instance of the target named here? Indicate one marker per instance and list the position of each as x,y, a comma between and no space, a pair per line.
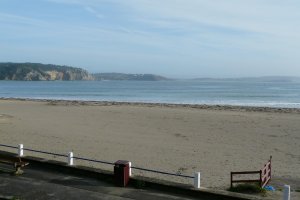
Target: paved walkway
46,184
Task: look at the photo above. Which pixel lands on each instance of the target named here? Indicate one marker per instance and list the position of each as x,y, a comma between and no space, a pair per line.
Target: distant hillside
41,72
254,79
128,77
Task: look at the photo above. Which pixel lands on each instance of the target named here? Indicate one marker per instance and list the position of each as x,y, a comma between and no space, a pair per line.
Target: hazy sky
175,38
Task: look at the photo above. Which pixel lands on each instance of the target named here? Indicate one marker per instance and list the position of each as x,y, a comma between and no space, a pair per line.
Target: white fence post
130,173
20,150
286,192
197,180
70,159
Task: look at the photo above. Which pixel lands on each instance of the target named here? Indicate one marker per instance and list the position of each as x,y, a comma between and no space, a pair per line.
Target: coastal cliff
49,72
41,72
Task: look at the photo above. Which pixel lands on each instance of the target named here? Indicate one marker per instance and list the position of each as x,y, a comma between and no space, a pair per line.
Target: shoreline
168,137
165,105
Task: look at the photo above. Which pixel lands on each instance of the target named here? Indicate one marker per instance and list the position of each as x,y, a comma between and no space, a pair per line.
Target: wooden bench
16,162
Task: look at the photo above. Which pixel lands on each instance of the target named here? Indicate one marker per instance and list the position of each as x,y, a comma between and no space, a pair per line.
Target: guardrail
264,175
70,161
161,172
44,152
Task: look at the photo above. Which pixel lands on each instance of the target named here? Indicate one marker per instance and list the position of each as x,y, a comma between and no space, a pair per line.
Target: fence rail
92,160
161,172
45,152
4,145
71,157
264,175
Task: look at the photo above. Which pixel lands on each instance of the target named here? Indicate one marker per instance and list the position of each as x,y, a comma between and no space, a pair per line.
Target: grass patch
297,190
248,189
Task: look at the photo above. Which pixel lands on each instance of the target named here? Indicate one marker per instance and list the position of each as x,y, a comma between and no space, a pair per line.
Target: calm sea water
247,93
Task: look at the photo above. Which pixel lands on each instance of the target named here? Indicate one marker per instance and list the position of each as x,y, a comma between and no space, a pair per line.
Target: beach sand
214,140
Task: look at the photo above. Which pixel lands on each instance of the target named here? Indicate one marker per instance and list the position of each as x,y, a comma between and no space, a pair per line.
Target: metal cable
4,145
160,172
44,152
99,161
92,160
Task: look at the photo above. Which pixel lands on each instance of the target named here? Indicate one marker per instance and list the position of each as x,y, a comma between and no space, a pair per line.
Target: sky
174,38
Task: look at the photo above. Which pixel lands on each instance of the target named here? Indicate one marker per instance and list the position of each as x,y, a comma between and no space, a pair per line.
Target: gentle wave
238,93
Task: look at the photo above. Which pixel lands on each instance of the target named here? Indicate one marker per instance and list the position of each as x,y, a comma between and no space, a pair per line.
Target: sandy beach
214,140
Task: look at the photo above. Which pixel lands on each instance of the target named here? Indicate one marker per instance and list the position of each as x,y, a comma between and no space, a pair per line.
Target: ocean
211,92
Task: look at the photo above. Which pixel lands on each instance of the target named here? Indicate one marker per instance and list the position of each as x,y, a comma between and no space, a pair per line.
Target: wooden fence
264,175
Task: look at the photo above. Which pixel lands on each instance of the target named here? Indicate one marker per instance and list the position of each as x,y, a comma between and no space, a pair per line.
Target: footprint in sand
5,118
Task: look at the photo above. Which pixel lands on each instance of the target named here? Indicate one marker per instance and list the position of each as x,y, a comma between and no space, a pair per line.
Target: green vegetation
248,188
41,72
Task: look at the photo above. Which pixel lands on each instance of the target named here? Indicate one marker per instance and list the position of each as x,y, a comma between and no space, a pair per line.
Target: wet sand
214,140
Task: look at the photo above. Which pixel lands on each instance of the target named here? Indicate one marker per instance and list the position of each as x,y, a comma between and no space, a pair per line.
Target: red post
260,178
121,172
230,179
270,166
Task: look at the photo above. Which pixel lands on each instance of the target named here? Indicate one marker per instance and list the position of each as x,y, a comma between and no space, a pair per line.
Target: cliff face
41,72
